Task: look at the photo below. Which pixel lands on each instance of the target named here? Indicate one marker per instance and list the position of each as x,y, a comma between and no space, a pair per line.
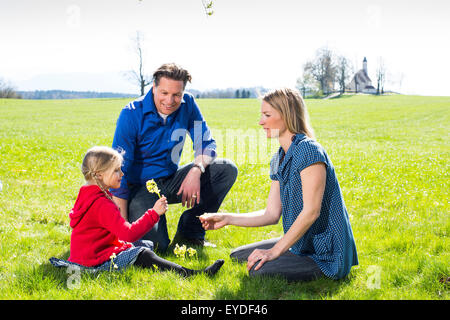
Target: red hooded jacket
97,227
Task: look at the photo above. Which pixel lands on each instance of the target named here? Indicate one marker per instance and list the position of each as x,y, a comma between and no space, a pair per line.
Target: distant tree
138,76
323,69
8,91
343,72
381,76
306,84
237,94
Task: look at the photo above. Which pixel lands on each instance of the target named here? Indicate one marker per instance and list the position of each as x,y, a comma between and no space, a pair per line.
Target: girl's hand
161,206
213,221
262,256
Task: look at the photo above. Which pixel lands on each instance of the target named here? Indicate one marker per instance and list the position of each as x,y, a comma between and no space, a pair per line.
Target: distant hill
64,94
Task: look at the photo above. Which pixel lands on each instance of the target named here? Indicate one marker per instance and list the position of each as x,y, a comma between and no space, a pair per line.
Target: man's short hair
171,71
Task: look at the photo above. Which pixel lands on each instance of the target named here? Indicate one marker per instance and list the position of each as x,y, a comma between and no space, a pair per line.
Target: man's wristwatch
200,166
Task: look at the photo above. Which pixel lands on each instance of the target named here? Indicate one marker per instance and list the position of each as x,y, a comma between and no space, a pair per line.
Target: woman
318,238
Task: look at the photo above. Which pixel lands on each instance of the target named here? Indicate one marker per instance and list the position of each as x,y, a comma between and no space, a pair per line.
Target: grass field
391,155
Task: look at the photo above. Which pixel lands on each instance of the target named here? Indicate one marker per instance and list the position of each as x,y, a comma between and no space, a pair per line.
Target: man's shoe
200,243
180,240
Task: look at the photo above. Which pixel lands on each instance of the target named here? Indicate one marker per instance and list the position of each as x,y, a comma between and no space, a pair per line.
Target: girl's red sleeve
110,218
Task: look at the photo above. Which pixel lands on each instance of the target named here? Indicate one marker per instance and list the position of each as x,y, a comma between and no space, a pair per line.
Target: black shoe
212,269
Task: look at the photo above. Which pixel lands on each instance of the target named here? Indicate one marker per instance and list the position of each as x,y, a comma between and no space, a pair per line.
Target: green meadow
391,155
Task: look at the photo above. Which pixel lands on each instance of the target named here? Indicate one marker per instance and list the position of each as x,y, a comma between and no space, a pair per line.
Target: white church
361,81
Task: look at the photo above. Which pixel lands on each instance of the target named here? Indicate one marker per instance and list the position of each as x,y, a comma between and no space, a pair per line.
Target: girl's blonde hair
289,103
99,159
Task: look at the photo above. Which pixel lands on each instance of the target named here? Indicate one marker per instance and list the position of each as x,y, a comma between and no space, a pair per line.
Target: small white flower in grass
112,265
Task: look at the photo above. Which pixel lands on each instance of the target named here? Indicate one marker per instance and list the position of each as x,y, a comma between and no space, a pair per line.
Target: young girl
100,234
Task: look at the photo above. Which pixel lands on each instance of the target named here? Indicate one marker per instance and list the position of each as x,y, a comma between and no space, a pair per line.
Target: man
151,131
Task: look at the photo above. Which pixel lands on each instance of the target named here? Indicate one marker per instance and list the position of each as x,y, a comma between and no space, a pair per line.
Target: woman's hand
213,221
262,256
161,206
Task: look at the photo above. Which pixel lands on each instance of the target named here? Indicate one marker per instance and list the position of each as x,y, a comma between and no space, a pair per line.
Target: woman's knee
242,253
239,254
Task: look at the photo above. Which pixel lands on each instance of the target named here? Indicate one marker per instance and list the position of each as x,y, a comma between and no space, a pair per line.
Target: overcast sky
85,45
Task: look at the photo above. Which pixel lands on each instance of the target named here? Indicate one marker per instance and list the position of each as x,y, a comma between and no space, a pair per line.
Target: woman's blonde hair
289,103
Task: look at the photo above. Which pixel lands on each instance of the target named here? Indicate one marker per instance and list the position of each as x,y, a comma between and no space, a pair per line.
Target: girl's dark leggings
149,259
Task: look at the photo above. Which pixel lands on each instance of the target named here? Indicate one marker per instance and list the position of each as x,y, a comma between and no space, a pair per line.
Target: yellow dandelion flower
180,252
191,252
152,187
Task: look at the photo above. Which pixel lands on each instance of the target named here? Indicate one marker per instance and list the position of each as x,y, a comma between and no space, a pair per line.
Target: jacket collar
295,141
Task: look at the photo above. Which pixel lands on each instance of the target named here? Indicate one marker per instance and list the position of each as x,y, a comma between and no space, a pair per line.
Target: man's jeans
217,180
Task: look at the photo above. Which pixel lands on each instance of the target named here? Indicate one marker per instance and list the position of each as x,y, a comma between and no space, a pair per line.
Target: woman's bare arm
268,216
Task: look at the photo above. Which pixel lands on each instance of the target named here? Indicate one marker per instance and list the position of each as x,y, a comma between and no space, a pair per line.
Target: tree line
229,93
65,94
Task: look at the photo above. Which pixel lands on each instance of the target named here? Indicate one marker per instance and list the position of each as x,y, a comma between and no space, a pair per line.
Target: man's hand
190,188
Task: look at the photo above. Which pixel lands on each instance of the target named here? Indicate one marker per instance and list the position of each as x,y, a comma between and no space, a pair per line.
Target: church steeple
365,65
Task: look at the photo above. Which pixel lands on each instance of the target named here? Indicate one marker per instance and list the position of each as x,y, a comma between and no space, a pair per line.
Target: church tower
361,81
365,65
